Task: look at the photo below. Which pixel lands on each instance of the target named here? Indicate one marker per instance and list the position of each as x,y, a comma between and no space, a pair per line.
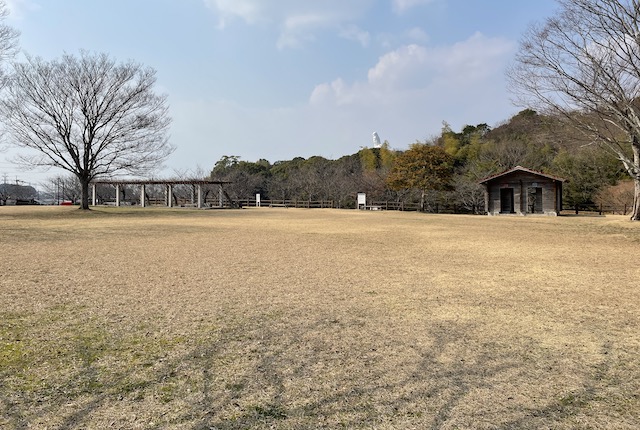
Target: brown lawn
296,319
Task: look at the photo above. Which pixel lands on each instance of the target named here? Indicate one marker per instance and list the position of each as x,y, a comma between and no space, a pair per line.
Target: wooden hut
522,191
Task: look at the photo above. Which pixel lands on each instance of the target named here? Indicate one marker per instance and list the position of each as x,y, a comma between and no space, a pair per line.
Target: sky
278,79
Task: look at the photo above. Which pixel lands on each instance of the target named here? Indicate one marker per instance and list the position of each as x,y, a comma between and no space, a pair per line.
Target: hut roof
520,169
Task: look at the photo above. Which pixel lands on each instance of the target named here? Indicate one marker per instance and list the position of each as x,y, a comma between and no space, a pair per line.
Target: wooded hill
528,139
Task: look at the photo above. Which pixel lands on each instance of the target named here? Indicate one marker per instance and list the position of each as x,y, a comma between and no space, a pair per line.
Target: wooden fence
374,205
307,204
384,205
598,209
438,208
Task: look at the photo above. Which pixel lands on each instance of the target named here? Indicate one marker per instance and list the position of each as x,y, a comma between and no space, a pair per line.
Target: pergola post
142,199
199,190
93,194
117,195
170,195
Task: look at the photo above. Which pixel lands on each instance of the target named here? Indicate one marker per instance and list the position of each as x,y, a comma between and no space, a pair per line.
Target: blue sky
277,79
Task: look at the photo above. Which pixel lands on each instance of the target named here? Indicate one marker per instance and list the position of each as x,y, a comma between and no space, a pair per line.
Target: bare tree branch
8,35
88,115
584,66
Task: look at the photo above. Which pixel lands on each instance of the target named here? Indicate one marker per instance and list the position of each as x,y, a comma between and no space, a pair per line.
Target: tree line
442,172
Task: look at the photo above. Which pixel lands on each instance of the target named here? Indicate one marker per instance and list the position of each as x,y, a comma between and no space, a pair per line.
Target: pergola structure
168,190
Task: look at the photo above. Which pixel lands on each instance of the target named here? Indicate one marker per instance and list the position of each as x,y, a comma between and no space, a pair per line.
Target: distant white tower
376,140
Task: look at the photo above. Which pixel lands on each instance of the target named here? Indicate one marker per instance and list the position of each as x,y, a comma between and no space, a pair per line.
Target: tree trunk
422,201
84,195
635,212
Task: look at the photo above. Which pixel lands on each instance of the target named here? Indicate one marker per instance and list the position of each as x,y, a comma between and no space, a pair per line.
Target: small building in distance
522,191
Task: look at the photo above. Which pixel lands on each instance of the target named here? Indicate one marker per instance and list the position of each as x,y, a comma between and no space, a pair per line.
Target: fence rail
440,208
373,205
306,204
598,209
443,208
393,206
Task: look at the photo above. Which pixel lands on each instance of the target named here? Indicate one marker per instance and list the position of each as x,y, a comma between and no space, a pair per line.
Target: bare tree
584,65
8,46
87,115
185,192
63,187
8,35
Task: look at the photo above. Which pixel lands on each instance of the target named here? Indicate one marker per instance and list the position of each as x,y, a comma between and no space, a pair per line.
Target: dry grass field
298,319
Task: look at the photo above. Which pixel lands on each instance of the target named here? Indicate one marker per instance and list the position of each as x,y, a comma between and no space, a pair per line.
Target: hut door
506,200
534,200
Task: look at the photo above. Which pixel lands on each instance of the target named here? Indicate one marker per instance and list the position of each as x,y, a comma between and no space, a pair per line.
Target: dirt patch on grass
292,319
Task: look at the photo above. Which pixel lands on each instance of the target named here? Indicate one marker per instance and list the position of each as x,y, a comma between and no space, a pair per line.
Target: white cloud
416,68
353,32
401,6
395,68
414,88
417,35
297,21
250,11
412,35
338,91
299,28
18,8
